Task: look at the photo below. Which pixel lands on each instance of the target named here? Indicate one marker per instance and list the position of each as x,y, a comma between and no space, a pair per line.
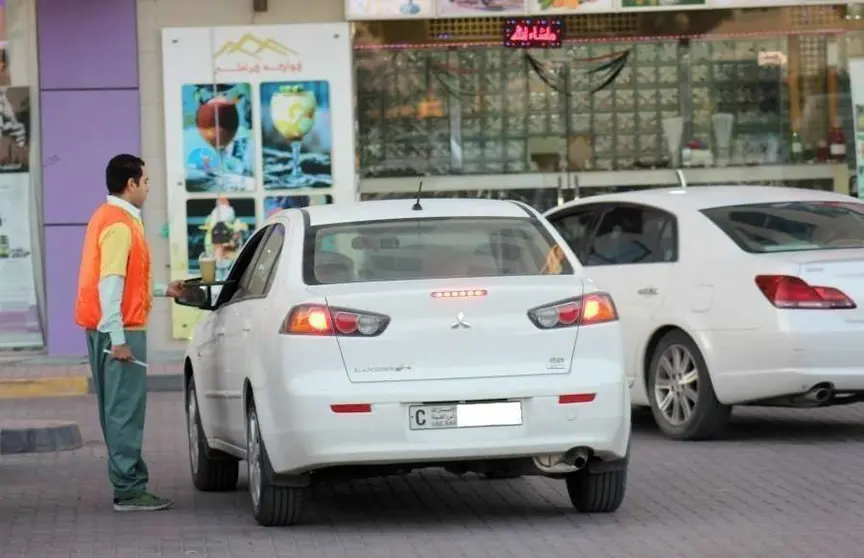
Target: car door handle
648,291
220,332
247,328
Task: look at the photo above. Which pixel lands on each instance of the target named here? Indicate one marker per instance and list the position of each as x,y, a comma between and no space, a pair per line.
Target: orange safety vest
137,296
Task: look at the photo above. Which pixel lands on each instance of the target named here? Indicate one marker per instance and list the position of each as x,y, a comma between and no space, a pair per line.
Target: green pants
121,391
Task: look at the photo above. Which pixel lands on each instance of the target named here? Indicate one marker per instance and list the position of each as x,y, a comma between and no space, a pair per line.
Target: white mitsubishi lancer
383,337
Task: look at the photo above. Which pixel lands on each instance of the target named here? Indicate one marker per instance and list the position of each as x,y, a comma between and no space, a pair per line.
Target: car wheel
600,492
273,506
682,396
209,473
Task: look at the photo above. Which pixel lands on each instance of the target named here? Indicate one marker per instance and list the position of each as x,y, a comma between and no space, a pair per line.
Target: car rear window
407,249
791,226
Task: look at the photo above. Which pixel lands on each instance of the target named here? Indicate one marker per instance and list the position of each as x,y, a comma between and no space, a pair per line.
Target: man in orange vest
114,300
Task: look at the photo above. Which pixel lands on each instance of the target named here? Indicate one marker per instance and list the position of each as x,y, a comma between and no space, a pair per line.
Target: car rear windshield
791,226
406,249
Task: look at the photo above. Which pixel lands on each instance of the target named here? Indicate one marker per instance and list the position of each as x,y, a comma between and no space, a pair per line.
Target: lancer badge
460,322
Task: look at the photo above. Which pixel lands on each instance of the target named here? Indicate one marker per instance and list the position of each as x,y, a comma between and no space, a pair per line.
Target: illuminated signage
533,32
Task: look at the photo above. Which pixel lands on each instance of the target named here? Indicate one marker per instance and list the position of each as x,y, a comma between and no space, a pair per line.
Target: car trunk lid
442,329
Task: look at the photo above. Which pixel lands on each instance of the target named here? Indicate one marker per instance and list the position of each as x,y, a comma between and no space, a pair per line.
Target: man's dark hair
120,169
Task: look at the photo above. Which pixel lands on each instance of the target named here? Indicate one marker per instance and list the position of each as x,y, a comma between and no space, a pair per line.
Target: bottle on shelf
687,155
837,143
822,151
796,147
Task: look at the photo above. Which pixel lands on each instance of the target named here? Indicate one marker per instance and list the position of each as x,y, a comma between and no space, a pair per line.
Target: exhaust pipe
820,394
577,457
570,461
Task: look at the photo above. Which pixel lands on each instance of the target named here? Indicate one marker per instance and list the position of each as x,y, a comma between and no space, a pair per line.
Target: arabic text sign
251,54
528,32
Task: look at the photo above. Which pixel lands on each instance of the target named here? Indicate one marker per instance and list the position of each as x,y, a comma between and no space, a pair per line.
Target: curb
38,436
76,386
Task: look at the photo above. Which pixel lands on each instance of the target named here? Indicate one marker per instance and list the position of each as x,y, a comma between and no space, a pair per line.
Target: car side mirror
199,294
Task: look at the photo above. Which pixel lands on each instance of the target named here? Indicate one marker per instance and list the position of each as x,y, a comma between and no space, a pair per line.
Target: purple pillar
90,111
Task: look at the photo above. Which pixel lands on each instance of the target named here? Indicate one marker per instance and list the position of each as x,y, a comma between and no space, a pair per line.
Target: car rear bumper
756,385
749,366
302,433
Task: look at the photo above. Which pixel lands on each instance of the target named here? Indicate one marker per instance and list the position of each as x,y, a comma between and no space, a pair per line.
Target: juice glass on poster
218,121
292,109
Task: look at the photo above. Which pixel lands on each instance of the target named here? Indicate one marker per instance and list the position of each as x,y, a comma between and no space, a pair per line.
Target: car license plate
464,415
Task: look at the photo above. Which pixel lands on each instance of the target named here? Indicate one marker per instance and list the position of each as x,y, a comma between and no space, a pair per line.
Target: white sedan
381,337
729,295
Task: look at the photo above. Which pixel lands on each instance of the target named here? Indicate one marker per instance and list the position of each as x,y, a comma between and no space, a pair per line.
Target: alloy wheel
676,384
192,429
254,459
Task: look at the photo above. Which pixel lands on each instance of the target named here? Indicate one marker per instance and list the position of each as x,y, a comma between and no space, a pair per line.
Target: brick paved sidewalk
13,366
26,376
787,484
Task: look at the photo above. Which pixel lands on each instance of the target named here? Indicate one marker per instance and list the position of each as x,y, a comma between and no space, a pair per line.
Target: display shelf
509,111
727,78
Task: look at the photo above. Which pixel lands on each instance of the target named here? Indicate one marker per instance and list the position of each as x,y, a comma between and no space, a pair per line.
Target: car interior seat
333,267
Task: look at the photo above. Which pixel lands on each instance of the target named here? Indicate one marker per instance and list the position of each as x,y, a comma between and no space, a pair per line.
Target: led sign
533,32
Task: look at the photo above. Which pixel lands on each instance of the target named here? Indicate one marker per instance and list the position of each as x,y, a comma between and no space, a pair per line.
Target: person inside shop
114,300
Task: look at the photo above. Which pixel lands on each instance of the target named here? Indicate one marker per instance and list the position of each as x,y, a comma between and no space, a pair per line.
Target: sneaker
143,502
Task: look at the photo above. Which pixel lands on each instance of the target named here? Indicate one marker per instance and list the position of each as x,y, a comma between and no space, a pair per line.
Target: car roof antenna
682,182
417,206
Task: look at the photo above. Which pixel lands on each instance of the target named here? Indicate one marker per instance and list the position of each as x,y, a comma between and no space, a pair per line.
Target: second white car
729,295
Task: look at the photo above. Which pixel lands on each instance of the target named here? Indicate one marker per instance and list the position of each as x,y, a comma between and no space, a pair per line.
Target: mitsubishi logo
460,322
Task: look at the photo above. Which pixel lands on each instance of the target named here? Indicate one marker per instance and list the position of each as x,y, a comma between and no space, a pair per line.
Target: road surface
785,484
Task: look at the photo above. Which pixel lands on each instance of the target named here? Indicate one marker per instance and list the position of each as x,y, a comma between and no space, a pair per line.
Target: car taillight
319,319
594,308
785,291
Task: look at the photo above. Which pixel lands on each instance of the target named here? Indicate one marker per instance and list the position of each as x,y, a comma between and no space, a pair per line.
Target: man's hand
175,289
122,352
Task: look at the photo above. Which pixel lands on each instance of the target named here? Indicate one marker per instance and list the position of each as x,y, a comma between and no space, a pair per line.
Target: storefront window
629,95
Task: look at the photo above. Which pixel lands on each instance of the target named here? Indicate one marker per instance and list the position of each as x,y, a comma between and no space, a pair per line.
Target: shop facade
752,93
394,92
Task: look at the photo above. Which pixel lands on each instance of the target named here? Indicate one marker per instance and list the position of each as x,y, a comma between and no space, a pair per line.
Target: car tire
272,506
708,418
597,492
209,473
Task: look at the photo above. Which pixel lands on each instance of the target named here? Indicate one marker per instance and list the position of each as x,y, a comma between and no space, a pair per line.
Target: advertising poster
218,228
275,204
388,9
661,3
257,119
462,8
767,3
19,314
14,129
296,134
571,6
218,146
